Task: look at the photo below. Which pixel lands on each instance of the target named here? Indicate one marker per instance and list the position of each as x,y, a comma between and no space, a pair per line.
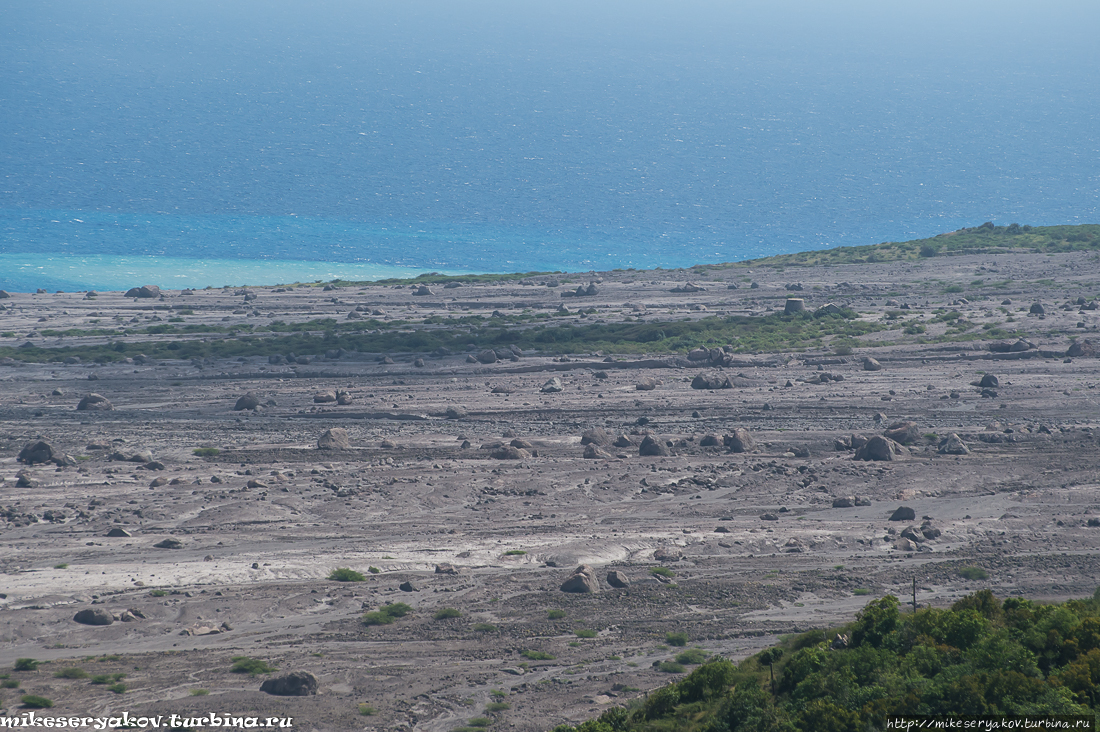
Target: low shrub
343,574
251,666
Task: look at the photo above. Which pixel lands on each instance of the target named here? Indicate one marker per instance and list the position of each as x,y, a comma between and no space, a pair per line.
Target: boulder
698,354
930,532
710,441
652,447
94,403
324,397
794,305
1037,309
36,452
407,587
740,440
456,412
857,441
117,533
22,480
521,443
4,295
905,433
646,383
768,517
446,568
487,356
617,579
509,453
870,364
583,580
989,381
1079,349
343,398
953,445
880,449
145,291
844,502
596,436
794,546
296,683
94,616
592,452
552,386
668,554
1021,346
169,543
903,513
623,441
904,545
334,439
248,401
711,381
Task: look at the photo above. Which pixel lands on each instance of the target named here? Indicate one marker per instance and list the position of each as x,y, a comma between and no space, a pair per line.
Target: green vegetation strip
981,657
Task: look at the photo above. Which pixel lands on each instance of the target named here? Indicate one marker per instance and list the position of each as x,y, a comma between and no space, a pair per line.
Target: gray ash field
469,482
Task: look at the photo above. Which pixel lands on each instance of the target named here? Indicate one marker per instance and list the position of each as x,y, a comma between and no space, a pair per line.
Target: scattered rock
903,513
446,568
552,386
248,401
169,543
36,452
769,517
989,381
740,440
592,452
905,433
583,579
487,356
652,447
596,436
668,554
880,449
335,438
94,616
296,683
324,397
509,453
870,364
844,502
794,546
94,403
407,587
953,445
117,533
646,384
617,579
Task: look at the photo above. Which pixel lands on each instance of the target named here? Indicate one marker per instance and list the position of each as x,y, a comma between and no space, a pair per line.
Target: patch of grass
158,593
205,452
32,701
387,614
663,572
199,692
586,633
26,664
251,666
62,565
444,613
480,722
367,710
860,592
676,639
484,628
377,618
71,673
9,684
117,688
514,553
670,667
537,655
397,609
497,706
374,570
343,574
692,656
973,573
574,644
555,614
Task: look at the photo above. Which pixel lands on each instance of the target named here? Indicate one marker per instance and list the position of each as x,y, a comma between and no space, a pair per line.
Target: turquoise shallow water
499,136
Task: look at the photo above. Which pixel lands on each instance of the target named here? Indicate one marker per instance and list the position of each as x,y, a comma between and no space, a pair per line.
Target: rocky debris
248,401
739,440
870,364
343,398
596,436
117,533
844,502
145,292
422,291
456,412
928,531
652,447
446,568
509,453
4,294
521,443
668,554
953,445
840,642
36,452
387,444
94,403
296,683
335,438
324,397
989,381
794,305
24,480
583,579
617,579
169,543
623,441
407,587
688,287
94,616
158,482
647,383
768,517
710,441
794,546
880,449
1079,349
583,291
905,433
552,386
904,545
711,381
903,513
592,452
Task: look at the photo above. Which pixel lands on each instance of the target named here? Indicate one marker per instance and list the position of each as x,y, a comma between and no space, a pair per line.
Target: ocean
206,143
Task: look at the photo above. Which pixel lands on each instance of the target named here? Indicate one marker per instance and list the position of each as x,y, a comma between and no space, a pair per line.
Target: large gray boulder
94,403
953,445
94,616
487,356
582,580
903,513
334,439
596,436
248,401
145,291
553,386
296,683
652,447
905,433
880,449
36,452
617,579
740,440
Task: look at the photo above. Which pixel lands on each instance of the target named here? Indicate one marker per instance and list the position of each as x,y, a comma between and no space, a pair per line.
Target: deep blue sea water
205,142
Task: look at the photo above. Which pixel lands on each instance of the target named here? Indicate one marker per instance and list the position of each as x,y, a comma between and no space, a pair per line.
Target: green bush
676,639
26,664
387,614
586,633
117,688
107,678
396,609
692,656
158,593
861,591
537,655
31,701
9,684
367,710
974,573
663,572
62,565
447,612
555,614
343,574
205,452
251,666
670,667
497,706
514,553
199,692
71,673
377,618
484,628
374,570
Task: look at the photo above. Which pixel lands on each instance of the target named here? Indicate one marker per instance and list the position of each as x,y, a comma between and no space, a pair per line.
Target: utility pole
914,594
